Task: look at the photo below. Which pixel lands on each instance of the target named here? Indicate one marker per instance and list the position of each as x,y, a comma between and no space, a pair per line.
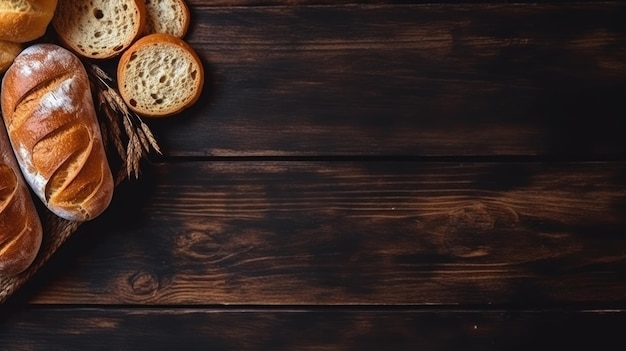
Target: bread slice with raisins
160,75
99,29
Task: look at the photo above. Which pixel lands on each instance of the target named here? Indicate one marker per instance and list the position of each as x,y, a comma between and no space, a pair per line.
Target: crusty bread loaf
52,125
25,20
20,227
160,75
8,51
167,16
99,29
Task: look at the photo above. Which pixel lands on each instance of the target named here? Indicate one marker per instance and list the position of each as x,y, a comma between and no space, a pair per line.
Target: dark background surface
397,175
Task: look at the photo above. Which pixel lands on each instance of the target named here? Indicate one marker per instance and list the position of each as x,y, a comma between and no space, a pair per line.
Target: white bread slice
160,75
99,29
25,20
167,16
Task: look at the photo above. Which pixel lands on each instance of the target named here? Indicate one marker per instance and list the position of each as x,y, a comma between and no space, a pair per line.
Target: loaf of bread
167,16
25,20
52,125
99,29
160,75
20,227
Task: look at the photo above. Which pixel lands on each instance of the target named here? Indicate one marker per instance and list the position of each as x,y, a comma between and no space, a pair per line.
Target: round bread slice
160,75
167,16
99,29
25,20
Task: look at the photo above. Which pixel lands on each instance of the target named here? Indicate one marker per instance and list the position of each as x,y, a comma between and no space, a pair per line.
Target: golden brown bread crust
27,24
130,57
20,227
53,128
8,51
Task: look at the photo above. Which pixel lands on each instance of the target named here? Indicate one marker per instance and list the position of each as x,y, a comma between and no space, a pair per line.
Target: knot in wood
143,283
467,232
198,245
474,217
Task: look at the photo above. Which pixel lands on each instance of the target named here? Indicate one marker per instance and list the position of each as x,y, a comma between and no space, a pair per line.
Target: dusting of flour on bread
37,181
27,70
51,119
61,98
43,57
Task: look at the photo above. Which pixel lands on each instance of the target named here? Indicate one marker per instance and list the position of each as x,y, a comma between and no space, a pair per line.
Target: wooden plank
226,3
328,233
202,329
477,79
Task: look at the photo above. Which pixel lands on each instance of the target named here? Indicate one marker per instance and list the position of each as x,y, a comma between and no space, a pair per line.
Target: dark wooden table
370,175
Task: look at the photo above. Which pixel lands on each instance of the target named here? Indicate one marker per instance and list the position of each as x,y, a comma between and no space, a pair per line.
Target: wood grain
468,79
302,329
306,233
294,3
368,175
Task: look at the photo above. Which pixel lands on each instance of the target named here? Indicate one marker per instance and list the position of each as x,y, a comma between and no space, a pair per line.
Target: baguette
20,227
160,75
25,20
52,125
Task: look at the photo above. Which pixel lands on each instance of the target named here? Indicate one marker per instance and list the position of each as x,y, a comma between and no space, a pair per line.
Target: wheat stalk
139,139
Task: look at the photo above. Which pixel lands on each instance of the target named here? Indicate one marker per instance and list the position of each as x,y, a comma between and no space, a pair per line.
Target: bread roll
8,51
25,20
20,227
53,128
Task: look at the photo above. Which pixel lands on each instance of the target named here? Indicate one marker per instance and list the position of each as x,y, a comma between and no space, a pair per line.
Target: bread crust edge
152,39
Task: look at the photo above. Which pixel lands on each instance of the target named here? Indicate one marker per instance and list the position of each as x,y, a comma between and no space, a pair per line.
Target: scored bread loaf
25,20
52,125
8,51
160,75
167,16
20,227
99,29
